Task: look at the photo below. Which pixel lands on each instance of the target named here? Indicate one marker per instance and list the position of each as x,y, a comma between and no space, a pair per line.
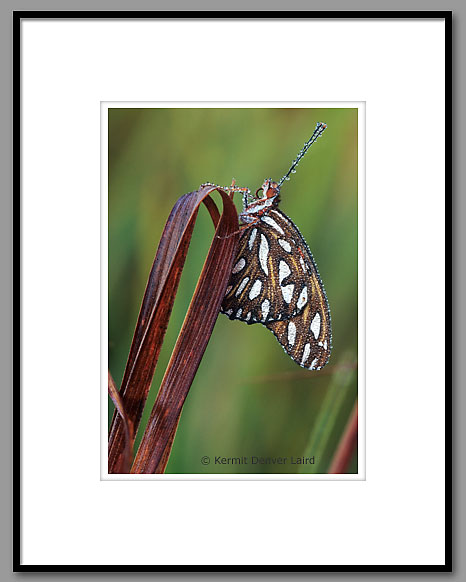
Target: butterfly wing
307,337
275,282
268,282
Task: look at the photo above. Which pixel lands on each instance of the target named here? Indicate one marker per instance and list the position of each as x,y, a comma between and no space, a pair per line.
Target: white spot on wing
291,333
244,282
302,263
282,216
255,289
252,238
265,309
239,312
271,222
325,344
239,265
302,298
285,245
228,289
307,351
315,325
229,312
248,316
263,254
283,271
287,292
314,364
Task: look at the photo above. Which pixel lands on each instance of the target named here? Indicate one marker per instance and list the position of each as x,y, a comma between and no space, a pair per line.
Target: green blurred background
248,398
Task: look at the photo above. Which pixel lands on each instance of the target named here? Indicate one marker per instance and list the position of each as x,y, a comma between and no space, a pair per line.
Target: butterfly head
267,197
270,189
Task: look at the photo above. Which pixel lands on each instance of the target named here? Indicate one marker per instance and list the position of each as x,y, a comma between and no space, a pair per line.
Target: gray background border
459,267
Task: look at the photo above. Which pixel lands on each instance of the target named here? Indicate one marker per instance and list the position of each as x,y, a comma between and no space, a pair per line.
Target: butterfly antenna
319,130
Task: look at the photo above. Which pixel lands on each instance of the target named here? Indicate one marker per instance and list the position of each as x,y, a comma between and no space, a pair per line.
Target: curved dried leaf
156,443
157,304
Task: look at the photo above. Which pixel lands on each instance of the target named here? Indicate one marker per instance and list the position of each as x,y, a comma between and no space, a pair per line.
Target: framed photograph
223,291
275,283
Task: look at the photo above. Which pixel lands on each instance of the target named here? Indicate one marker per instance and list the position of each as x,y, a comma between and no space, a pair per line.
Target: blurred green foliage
248,398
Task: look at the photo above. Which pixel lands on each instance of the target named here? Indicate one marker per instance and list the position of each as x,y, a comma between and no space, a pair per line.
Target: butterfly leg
241,229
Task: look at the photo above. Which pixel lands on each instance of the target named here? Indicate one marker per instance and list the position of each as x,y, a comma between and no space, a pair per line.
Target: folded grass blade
157,305
156,443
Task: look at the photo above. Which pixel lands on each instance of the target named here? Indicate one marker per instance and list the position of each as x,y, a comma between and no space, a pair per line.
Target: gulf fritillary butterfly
275,281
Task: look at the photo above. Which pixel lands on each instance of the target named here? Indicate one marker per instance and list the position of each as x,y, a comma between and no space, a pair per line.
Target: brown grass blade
127,424
213,210
347,445
156,309
156,443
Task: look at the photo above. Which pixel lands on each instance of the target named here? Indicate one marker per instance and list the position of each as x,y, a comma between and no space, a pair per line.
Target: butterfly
275,281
